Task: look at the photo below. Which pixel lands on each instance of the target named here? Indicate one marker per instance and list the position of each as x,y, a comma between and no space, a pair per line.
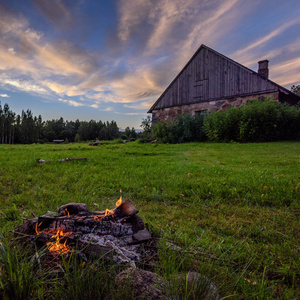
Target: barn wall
171,113
210,76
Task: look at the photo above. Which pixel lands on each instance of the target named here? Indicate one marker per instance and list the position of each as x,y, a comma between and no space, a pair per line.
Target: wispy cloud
135,114
71,102
4,96
56,13
139,106
107,109
22,85
287,72
263,40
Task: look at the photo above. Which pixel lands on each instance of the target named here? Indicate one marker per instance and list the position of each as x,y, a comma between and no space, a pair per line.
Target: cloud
142,105
287,72
25,51
108,109
72,102
67,59
135,114
56,13
132,15
23,85
10,21
4,96
94,105
239,54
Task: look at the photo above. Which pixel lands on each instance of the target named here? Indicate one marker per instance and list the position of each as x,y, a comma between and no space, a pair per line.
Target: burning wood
118,232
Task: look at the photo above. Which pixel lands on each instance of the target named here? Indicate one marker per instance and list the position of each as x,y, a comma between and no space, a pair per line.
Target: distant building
212,81
58,141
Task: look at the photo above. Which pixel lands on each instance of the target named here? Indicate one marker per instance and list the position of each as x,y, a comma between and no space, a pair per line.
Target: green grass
232,208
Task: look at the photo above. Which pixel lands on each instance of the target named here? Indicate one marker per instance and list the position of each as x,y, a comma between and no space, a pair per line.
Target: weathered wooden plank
202,63
219,77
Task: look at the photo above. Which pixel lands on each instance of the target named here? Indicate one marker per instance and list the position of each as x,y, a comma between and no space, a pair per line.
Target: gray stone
142,235
145,285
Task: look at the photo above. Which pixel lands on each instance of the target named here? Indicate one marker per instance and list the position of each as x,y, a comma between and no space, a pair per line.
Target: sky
111,59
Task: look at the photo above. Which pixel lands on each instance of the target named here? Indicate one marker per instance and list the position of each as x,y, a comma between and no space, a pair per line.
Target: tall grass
20,277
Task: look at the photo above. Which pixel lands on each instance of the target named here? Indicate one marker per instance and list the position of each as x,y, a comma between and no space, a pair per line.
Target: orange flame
119,202
108,211
56,246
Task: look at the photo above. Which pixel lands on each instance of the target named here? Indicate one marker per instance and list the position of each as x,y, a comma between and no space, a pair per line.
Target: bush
258,121
255,122
222,126
186,128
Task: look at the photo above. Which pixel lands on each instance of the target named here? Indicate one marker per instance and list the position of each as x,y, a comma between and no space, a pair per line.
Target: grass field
232,208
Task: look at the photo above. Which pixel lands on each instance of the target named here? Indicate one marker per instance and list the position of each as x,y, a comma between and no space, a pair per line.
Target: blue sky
111,59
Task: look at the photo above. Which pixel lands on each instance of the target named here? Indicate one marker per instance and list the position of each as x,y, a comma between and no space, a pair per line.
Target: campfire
117,233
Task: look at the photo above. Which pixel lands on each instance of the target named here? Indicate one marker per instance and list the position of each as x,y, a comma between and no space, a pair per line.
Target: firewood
72,209
127,208
118,232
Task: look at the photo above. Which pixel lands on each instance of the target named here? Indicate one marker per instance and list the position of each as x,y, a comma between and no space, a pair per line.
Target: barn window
201,113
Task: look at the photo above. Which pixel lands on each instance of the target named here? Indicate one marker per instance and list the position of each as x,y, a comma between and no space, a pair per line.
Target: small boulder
142,235
145,284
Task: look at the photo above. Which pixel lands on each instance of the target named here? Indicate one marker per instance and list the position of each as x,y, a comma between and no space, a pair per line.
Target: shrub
258,121
222,126
255,122
186,128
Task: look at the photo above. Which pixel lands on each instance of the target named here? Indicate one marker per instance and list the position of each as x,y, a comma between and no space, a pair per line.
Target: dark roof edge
217,53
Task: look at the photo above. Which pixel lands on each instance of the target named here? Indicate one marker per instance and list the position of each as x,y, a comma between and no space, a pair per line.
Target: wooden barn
212,81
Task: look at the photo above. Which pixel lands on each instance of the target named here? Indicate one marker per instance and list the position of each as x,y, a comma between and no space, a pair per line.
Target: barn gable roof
246,74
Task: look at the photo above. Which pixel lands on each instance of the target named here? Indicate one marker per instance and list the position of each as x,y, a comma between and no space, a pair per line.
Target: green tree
77,138
83,131
147,129
7,124
295,89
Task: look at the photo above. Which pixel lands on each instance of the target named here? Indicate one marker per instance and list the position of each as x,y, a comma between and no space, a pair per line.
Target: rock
142,235
72,208
201,286
49,214
145,284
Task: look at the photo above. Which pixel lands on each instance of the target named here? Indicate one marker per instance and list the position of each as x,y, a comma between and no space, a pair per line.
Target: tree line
27,128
